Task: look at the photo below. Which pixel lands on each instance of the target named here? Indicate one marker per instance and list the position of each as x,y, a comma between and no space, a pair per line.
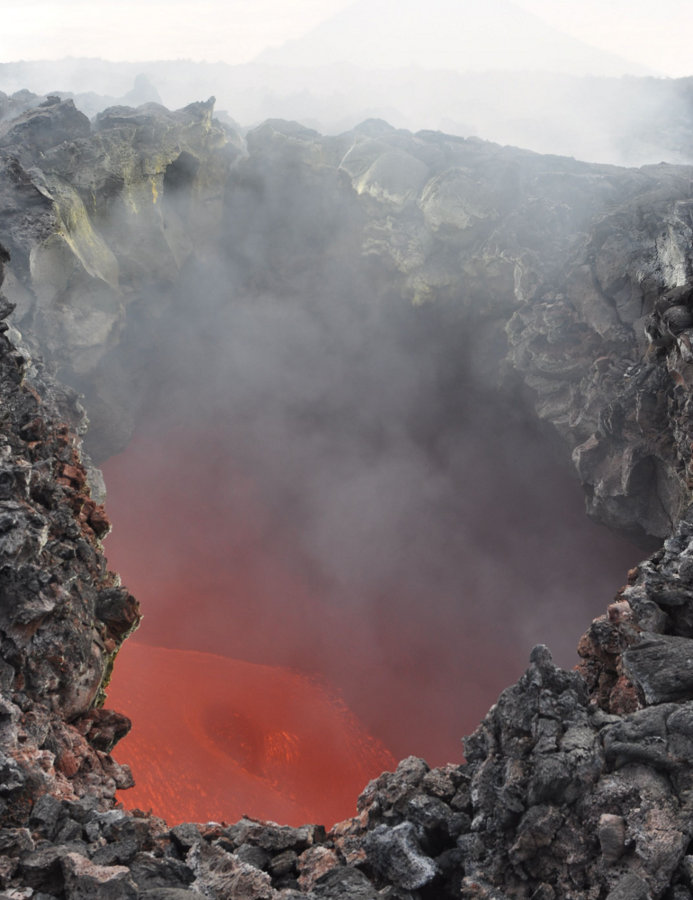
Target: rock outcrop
62,615
576,283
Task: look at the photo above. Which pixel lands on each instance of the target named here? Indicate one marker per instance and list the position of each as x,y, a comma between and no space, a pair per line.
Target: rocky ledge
578,282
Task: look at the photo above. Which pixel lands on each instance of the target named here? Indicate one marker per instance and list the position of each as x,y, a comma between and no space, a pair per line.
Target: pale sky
659,35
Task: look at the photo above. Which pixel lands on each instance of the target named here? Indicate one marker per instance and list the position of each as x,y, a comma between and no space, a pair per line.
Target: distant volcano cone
475,35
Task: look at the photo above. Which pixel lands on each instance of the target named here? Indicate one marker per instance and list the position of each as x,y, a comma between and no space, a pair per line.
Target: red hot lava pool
218,738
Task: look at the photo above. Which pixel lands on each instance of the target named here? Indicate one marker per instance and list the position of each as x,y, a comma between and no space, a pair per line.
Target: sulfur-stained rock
393,177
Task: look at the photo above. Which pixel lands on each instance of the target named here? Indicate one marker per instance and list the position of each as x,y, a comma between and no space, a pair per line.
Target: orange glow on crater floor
218,738
260,685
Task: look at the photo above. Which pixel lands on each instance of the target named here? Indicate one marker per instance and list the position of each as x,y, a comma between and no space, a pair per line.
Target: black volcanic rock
55,650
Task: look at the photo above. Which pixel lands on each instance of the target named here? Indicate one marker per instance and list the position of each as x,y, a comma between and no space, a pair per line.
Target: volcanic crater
339,388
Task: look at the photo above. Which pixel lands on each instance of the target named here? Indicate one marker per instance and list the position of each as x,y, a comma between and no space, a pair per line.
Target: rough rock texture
567,272
62,614
89,231
576,279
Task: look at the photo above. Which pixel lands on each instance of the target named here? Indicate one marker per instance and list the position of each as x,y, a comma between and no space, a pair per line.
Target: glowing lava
218,738
216,570
224,724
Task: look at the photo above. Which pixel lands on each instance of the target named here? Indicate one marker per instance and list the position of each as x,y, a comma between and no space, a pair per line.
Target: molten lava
217,738
229,718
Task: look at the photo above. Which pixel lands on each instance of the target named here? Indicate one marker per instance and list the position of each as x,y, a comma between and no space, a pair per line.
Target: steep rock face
577,784
616,390
106,211
62,614
556,267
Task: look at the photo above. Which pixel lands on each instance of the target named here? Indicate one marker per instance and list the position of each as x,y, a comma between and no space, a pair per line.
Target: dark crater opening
351,499
326,480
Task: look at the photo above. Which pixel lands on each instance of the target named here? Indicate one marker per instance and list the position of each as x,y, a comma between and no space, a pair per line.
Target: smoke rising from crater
323,477
328,478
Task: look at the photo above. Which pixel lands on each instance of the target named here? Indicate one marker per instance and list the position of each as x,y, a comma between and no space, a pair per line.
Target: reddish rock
86,881
313,864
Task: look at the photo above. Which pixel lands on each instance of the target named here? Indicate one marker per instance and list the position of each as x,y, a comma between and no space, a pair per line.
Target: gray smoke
339,483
